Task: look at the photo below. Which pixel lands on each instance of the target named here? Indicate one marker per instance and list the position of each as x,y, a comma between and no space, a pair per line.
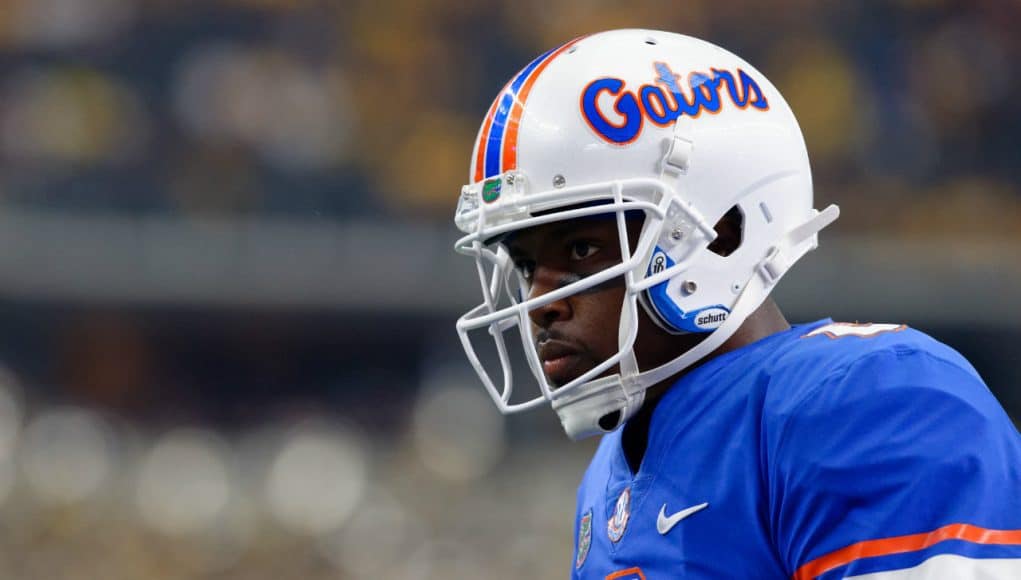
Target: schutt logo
711,317
662,102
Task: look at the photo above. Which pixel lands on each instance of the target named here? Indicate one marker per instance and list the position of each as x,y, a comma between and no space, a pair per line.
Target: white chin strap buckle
598,407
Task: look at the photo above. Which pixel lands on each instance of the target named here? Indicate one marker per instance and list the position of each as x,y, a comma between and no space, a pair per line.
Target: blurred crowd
368,109
85,494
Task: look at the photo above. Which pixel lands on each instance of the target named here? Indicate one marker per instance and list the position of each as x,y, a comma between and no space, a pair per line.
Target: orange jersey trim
628,572
903,544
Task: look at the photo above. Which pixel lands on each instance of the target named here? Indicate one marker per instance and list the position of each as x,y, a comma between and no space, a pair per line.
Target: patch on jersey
864,330
618,523
584,539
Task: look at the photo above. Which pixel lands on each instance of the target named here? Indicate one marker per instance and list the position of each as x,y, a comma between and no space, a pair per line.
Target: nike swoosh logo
665,523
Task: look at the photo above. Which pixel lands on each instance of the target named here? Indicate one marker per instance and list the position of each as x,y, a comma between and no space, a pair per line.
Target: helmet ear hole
729,232
609,421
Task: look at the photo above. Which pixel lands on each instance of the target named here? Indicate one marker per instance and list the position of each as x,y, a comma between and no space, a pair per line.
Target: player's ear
729,231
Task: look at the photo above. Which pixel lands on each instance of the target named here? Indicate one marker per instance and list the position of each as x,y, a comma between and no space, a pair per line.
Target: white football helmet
626,120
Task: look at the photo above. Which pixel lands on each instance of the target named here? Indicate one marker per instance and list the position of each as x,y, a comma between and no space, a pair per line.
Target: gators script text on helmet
623,121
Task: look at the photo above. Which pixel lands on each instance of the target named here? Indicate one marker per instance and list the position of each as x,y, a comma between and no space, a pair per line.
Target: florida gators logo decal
664,101
584,539
621,514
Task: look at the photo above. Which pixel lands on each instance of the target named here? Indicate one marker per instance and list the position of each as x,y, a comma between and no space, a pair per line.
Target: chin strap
751,297
588,410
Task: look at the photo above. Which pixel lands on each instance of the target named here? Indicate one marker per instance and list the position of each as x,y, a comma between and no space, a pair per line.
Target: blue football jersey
826,451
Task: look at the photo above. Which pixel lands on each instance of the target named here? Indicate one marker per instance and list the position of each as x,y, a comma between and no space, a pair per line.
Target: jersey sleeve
901,465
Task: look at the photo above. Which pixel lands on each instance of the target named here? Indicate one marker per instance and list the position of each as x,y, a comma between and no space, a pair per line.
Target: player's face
577,333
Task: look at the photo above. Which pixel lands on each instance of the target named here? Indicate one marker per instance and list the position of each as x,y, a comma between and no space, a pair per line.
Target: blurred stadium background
227,292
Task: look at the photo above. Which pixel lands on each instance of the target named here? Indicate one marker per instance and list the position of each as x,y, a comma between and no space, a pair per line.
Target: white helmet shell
658,122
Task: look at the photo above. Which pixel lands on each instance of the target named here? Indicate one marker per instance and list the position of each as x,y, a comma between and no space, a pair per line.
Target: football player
634,197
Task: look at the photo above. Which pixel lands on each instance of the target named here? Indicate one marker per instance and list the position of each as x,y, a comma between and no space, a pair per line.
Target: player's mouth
561,361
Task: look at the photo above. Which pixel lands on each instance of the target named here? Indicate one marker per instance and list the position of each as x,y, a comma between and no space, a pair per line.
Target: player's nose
545,280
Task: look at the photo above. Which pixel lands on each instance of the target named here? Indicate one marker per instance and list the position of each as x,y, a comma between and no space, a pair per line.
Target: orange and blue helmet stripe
497,149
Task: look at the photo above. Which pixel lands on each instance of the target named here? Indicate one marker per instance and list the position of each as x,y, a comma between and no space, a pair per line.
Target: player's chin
563,370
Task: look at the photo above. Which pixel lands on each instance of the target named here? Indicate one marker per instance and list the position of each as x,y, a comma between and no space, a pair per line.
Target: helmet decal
491,189
497,148
664,101
625,105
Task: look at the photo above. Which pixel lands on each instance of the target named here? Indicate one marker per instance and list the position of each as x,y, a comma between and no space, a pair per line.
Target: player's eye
581,250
